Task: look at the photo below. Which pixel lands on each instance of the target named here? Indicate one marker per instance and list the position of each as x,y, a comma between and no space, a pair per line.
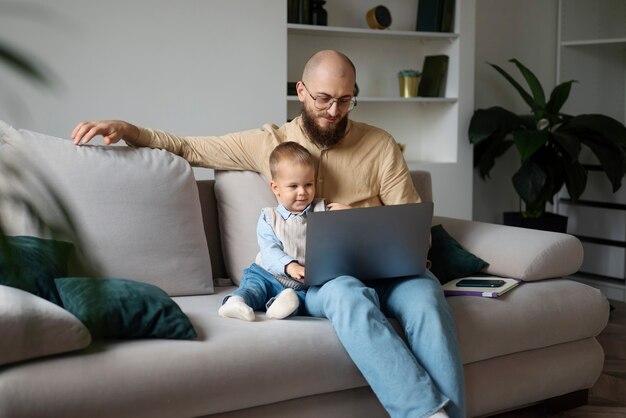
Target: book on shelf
434,76
435,16
451,288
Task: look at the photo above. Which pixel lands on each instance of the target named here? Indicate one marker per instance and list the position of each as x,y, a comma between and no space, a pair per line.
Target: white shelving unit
592,50
434,130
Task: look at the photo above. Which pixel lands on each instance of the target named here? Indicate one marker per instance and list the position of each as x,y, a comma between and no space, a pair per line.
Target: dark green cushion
449,259
121,308
31,264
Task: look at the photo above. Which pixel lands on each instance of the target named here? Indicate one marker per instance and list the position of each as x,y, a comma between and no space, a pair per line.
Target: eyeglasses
323,101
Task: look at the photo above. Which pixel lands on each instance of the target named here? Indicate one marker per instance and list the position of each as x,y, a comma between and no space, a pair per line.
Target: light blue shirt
272,253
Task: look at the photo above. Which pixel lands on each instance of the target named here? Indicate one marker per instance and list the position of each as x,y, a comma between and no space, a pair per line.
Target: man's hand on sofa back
111,130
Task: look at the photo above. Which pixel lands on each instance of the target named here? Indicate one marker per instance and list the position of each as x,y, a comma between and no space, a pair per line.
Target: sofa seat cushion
533,315
232,365
237,364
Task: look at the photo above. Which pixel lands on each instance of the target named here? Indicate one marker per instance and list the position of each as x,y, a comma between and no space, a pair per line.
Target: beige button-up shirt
366,168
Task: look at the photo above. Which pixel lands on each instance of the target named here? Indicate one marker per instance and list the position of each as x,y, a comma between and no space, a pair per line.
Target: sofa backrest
231,235
141,213
137,210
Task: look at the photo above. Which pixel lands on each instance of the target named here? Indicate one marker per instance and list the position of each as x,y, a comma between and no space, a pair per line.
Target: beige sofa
137,208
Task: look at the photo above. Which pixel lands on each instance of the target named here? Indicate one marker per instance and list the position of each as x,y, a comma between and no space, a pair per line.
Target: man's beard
323,138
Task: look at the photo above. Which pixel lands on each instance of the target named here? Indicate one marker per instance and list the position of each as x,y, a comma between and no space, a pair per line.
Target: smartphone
480,283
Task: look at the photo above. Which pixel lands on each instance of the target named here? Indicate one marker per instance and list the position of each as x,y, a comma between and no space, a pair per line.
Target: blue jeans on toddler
259,288
411,379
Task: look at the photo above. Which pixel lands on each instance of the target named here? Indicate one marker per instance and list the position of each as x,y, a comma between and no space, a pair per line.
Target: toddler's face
294,186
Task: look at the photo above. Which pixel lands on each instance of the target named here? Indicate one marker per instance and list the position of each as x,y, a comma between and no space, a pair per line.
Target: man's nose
333,110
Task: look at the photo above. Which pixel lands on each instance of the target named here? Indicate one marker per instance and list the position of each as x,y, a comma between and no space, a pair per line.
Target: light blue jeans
259,288
413,378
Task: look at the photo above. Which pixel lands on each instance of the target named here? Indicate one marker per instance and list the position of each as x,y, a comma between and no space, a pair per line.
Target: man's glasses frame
323,102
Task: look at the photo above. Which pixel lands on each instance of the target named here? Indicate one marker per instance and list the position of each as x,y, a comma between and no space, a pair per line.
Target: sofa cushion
34,327
240,197
266,360
533,315
137,209
32,264
119,308
449,259
234,364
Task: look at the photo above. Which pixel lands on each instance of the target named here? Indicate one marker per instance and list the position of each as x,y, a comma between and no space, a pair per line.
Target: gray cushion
138,210
33,327
240,197
266,360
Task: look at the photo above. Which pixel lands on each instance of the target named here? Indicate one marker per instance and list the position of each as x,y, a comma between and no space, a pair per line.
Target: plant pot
548,222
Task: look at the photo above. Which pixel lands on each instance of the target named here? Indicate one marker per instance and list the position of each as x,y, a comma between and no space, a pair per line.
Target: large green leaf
486,152
525,95
575,178
487,122
533,82
606,126
568,144
528,142
606,138
611,159
558,97
529,182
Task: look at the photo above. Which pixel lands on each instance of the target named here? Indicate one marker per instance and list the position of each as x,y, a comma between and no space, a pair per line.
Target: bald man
359,165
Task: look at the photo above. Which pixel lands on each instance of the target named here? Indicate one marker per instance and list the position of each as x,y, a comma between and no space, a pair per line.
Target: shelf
366,99
609,42
298,29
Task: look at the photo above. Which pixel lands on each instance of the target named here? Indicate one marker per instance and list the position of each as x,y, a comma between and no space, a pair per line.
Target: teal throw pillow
122,308
31,264
449,259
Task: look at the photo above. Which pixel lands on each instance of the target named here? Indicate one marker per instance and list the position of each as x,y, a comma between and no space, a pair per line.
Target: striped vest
292,235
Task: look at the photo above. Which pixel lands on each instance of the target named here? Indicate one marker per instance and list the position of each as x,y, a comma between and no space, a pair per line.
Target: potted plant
549,144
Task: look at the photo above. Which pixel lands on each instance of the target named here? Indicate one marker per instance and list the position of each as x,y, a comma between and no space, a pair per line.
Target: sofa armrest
526,254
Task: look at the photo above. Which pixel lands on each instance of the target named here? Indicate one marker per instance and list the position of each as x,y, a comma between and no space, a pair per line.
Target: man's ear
300,90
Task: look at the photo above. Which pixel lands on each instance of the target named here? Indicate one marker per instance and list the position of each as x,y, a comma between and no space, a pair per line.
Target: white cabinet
592,50
434,130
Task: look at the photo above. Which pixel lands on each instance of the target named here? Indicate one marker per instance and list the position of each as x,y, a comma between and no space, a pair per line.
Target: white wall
200,66
188,66
505,29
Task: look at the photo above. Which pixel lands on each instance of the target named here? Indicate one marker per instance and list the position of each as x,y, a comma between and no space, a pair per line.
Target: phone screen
480,283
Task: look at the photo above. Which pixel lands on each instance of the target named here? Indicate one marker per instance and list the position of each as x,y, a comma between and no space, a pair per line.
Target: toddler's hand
295,271
338,206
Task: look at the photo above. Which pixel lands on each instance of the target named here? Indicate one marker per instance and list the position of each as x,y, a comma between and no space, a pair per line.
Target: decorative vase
319,16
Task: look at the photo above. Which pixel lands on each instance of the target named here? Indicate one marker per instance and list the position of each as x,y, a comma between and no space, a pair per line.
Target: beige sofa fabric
33,327
519,379
533,315
526,254
234,364
240,197
138,209
238,364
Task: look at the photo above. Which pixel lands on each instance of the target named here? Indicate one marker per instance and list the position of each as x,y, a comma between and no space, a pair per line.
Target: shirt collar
286,214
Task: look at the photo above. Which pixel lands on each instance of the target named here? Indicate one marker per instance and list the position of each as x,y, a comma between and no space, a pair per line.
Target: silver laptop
368,243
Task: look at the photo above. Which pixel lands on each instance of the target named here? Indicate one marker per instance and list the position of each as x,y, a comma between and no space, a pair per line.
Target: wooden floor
607,398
